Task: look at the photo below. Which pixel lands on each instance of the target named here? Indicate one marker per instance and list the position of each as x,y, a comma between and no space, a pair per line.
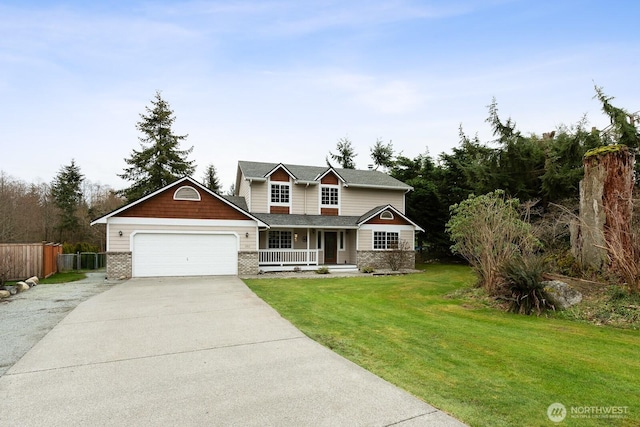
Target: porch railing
288,257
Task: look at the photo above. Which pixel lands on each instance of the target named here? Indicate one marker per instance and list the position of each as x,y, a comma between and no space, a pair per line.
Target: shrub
396,257
488,231
322,270
367,269
522,277
72,248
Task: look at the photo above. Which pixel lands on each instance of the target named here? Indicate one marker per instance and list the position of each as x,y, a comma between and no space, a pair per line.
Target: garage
184,254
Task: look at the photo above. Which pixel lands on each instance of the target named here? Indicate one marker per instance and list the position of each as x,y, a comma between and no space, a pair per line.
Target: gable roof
278,167
311,174
327,172
379,209
234,202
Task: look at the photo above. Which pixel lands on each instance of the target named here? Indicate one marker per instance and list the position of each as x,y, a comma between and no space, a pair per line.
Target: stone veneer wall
118,265
247,263
378,260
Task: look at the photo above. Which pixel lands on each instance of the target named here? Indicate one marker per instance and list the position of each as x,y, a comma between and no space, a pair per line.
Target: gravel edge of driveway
27,317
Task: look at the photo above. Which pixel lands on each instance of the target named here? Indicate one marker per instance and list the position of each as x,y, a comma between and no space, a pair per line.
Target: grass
483,366
613,306
64,277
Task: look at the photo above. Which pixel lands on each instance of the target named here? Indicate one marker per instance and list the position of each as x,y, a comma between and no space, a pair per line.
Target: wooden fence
20,261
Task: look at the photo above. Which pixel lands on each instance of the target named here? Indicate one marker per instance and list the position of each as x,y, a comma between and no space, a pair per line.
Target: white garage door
169,254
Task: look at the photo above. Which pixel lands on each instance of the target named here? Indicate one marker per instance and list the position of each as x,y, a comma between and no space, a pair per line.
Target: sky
284,80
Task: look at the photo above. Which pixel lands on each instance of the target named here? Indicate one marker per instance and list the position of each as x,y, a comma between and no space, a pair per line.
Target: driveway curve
194,351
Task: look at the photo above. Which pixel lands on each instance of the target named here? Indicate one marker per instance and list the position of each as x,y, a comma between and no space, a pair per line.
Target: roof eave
396,211
382,187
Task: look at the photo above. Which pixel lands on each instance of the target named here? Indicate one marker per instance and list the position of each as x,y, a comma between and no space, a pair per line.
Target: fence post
79,261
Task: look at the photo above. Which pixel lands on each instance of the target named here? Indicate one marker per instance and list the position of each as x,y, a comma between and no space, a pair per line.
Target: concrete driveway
194,351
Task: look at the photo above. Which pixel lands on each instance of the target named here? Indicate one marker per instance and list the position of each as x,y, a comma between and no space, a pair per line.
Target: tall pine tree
211,180
160,160
345,154
67,196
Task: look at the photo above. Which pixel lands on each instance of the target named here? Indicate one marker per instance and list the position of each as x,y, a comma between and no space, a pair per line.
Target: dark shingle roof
304,221
311,173
238,201
371,213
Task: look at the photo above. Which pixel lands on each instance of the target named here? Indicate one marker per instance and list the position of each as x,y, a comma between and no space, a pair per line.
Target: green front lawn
483,366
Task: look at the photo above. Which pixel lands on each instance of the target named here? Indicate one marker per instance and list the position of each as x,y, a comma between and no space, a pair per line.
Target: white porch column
308,243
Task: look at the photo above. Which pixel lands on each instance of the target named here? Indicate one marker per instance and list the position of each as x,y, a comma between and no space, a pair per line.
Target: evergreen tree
67,196
520,160
345,154
211,180
623,129
563,168
382,154
160,160
425,203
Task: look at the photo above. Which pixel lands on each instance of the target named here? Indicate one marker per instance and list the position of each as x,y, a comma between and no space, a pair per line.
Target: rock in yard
32,281
22,286
5,294
561,295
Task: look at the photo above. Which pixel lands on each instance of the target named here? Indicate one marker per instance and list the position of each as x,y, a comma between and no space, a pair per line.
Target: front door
330,247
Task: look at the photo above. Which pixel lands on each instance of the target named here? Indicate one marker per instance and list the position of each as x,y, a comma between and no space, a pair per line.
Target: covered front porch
300,249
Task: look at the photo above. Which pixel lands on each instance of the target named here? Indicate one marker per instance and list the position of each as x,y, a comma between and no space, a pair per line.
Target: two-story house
281,217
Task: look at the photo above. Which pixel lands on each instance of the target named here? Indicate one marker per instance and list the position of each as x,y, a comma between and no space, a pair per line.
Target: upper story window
280,193
186,192
329,195
385,240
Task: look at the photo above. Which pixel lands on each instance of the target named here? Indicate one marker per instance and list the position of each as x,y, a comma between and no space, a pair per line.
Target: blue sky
283,80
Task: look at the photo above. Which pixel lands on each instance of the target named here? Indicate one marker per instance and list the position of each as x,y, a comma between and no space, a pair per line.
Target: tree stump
606,206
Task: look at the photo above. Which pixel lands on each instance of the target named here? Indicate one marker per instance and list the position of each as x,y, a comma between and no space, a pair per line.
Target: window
279,239
329,196
186,193
279,193
386,215
385,240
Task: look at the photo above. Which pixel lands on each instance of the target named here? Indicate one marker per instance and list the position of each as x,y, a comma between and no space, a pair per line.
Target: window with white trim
280,193
329,195
385,240
186,192
386,215
280,239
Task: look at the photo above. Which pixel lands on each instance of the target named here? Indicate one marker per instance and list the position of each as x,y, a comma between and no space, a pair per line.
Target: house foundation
382,260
